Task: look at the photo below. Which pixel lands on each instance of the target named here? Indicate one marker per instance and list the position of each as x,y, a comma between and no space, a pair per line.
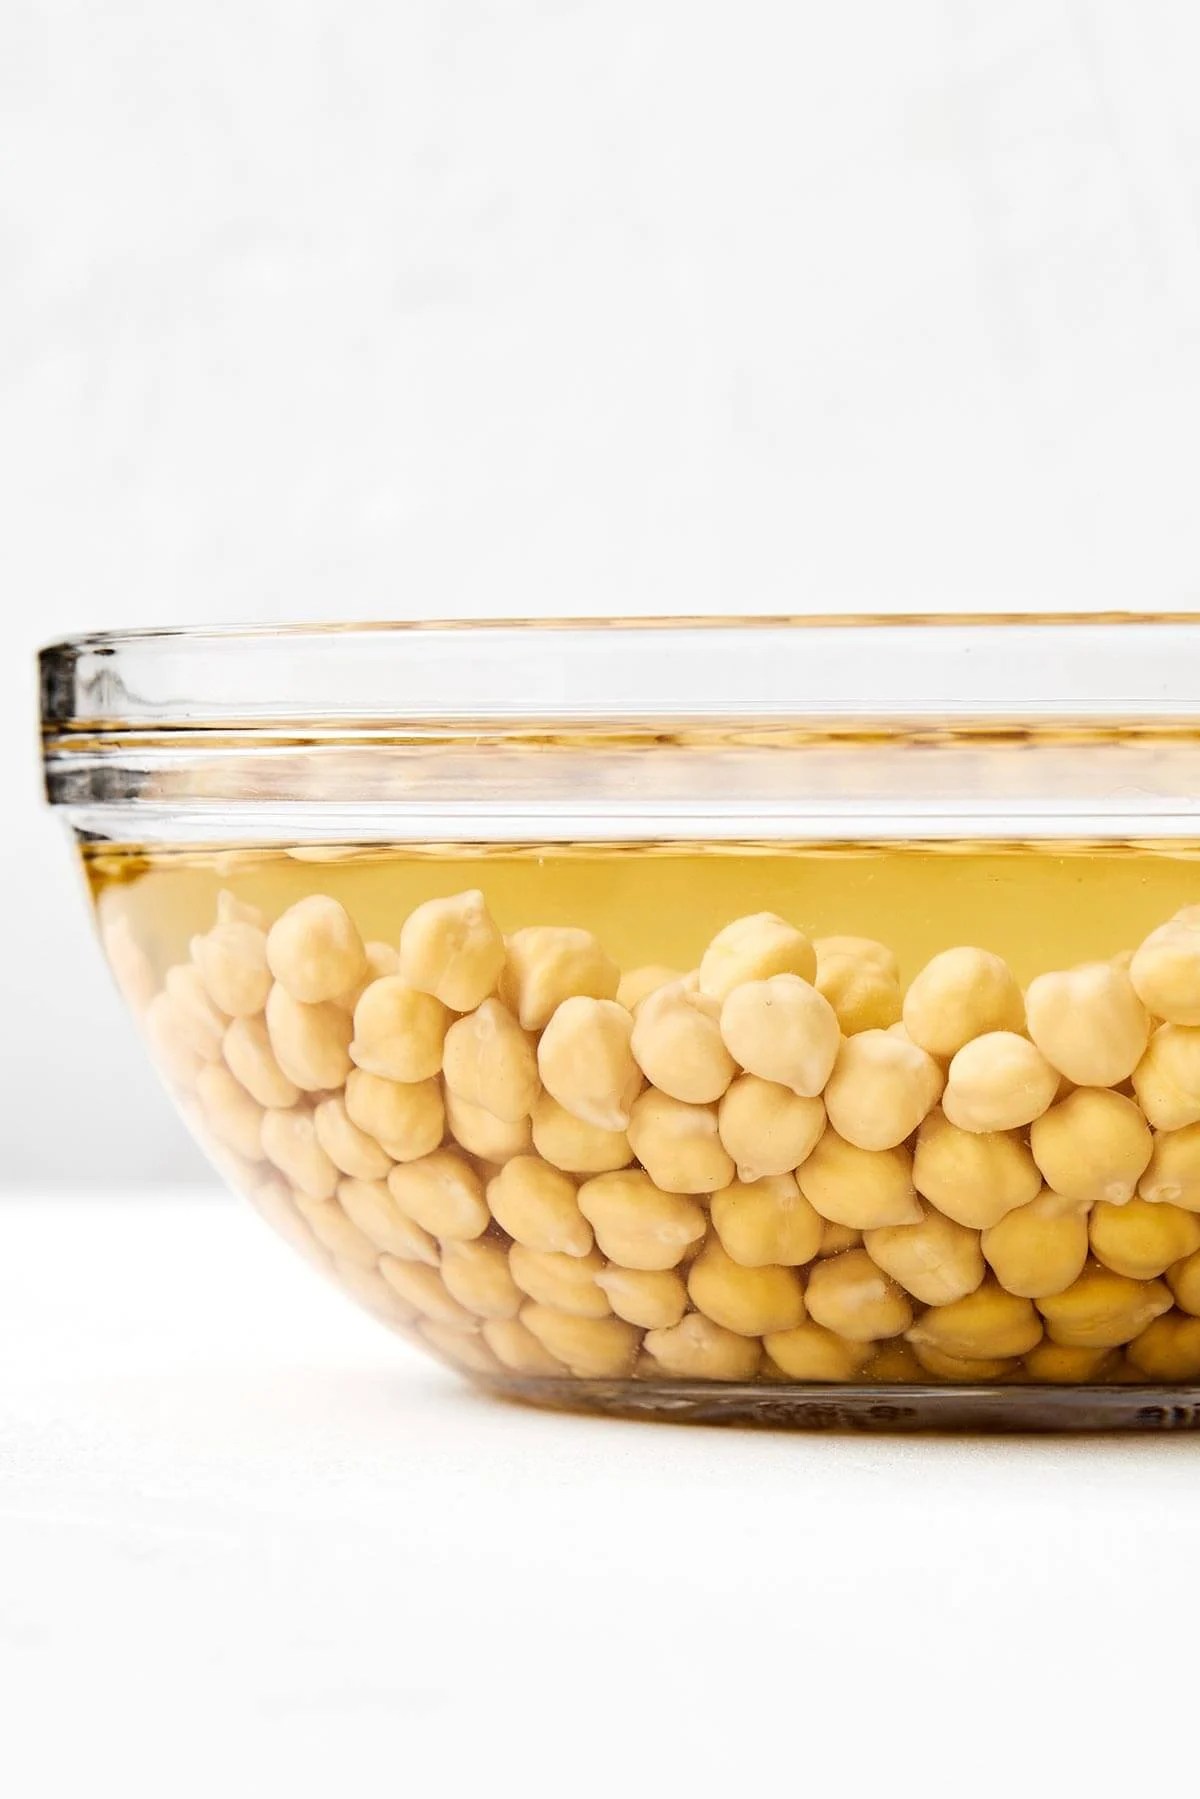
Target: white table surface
251,1545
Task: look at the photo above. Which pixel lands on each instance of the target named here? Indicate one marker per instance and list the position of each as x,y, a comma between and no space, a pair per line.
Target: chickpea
369,1288
968,1371
1102,1309
515,1345
974,1177
1165,969
466,1349
961,994
767,1222
331,1227
935,1259
229,1112
405,1117
677,1043
232,959
880,1090
651,1298
349,1147
249,1057
232,910
443,1194
754,949
592,1348
311,1043
426,1292
477,1274
639,983
452,949
573,1146
861,981
749,1301
1184,1282
861,1188
489,1061
1167,1079
271,1198
1088,1023
1055,1364
812,1353
698,1349
850,1295
370,1206
1039,1248
128,961
986,1324
998,1082
398,1032
169,1044
767,1129
537,1205
1174,1171
893,1362
1143,1240
1093,1145
1168,1349
550,963
678,1145
380,962
289,1142
314,950
586,1063
638,1224
568,1283
199,1022
782,1030
482,1135
837,1237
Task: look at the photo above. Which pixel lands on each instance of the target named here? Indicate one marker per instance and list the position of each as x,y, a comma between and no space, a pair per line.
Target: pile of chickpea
779,1166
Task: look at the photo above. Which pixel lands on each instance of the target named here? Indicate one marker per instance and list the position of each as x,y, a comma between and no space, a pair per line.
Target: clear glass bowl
791,1021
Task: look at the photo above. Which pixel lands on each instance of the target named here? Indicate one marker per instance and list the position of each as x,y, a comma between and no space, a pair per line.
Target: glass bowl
790,1021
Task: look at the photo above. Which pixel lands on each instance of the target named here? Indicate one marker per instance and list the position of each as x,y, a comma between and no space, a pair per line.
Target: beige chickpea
967,1371
679,1145
782,1030
229,1112
130,965
349,1147
987,1323
861,1188
1165,969
568,1283
651,1298
998,1082
1039,1248
477,1274
443,1194
974,1177
170,1045
1173,1173
586,1063
1088,1023
1184,1282
837,1237
197,1019
935,1259
426,1292
574,1146
592,1348
232,959
1168,1349
335,1232
548,964
289,1142
809,1352
369,1288
311,1043
850,1295
380,962
754,949
767,1222
314,950
398,1032
880,1090
894,1361
1167,1079
538,1206
406,1117
961,994
465,1349
233,910
1102,1309
480,1134
452,949
1057,1365
768,1129
370,1206
677,1043
639,983
861,981
697,1349
1142,1240
749,1301
514,1345
489,1061
1093,1145
249,1057
638,1224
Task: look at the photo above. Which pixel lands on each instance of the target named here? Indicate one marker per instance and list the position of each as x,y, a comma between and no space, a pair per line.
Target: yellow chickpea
349,1147
639,983
370,1206
961,994
998,1082
1184,1282
480,1134
893,1362
1173,1174
548,964
860,1188
850,1295
249,1057
477,1274
489,1061
452,949
1039,1248
638,1224
698,1349
861,981
1167,1079
768,1129
538,1206
837,1237
1103,1310
514,1345
651,1298
935,1259
425,1291
1168,1349
232,959
289,1142
443,1194
880,1090
1142,1240
574,1146
314,950
229,1112
586,1063
986,1324
465,1349
1055,1364
232,910
398,1032
767,1222
1093,1145
335,1232
592,1348
809,1352
754,949
369,1288
1089,1023
782,1030
968,1371
407,1118
1165,970
678,1145
748,1301
677,1043
311,1043
381,963
568,1283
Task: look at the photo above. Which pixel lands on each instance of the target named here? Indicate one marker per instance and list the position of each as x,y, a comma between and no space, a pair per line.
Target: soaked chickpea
998,1082
1167,1079
568,1283
1165,970
310,1042
1089,1023
1057,1365
196,1019
586,1062
861,980
698,1349
538,1206
482,1135
478,1276
860,1188
638,1224
1142,1240
232,959
767,1129
679,1145
989,1323
677,1043
1184,1282
1102,1310
1039,1248
426,1292
289,1143
466,1349
398,1031
837,1237
335,1232
407,1118
177,1061
230,1114
1168,1349
748,1301
490,1062
246,1047
766,1222
652,1298
1173,1174
314,951
370,1206
515,1347
754,949
452,949
574,1146
809,1352
443,1194
639,983
968,1371
961,994
348,1147
1093,1145
935,1259
782,1030
880,1090
548,964
894,1361
849,1294
592,1348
